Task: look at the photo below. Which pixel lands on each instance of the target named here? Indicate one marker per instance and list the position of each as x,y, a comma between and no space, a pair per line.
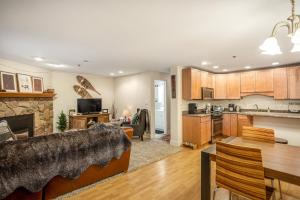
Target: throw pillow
5,132
135,118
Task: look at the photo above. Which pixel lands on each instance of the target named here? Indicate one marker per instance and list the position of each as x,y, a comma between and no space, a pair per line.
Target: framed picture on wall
37,85
173,86
24,83
8,82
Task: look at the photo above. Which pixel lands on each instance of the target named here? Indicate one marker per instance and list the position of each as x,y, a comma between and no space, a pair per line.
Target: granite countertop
197,115
283,114
272,114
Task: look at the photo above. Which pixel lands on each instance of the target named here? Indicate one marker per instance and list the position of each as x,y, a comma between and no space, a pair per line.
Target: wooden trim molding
268,94
26,95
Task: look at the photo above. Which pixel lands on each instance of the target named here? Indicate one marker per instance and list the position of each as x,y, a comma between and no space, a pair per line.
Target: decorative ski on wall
86,84
82,91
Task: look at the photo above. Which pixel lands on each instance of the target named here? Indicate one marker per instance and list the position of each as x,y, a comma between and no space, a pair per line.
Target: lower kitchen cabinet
230,124
244,120
196,130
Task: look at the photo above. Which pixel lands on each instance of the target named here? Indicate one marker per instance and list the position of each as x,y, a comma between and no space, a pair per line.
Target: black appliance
217,122
231,107
87,106
192,108
207,93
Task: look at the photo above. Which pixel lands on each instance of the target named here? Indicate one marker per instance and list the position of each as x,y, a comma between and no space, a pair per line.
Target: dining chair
258,134
261,135
240,170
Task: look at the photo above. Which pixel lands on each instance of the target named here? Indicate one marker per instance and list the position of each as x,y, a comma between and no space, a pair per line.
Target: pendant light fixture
270,45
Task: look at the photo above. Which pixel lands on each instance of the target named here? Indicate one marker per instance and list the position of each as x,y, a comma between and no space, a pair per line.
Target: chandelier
270,45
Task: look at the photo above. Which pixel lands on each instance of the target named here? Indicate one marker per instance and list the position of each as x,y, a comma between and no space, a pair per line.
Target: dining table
280,161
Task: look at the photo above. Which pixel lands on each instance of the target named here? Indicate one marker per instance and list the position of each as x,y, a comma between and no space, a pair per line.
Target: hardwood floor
176,177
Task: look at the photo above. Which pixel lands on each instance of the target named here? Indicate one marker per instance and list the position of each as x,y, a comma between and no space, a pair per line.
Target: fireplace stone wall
42,108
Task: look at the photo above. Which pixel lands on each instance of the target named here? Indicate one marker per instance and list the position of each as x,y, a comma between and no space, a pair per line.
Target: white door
160,106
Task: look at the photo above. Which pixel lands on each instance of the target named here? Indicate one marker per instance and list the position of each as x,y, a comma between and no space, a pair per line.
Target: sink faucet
256,107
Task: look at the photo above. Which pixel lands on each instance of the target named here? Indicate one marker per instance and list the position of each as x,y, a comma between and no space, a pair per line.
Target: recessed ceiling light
216,67
275,63
112,74
225,70
204,63
120,72
39,59
247,67
55,65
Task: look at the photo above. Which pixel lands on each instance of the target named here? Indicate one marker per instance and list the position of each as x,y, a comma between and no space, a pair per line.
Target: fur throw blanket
34,162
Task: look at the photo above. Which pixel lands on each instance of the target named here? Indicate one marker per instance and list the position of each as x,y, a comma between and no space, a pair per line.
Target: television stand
80,121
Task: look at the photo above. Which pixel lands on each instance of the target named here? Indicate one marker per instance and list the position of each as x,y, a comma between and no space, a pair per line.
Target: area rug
149,151
142,153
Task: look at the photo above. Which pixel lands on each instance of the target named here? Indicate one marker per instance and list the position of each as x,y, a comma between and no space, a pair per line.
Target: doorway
160,107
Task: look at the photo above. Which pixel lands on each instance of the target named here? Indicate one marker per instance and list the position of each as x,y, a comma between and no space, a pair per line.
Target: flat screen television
88,106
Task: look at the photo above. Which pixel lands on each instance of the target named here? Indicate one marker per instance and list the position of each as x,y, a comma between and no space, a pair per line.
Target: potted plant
62,122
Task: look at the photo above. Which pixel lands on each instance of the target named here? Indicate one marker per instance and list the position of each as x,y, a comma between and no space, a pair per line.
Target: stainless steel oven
207,93
216,122
217,126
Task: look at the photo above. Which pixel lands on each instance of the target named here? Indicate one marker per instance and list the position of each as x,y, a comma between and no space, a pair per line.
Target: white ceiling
142,35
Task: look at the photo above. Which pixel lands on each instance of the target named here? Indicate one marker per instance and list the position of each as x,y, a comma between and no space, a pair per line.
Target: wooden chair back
258,134
240,170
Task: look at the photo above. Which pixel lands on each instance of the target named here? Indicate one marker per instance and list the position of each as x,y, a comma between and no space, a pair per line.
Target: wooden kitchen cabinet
230,126
280,82
233,86
293,82
191,84
187,128
207,79
220,86
243,120
233,124
264,80
248,81
196,130
226,124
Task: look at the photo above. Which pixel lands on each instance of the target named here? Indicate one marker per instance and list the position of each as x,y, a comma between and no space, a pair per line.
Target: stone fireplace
40,109
21,124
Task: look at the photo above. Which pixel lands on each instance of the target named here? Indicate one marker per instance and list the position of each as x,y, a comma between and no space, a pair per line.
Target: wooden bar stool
240,170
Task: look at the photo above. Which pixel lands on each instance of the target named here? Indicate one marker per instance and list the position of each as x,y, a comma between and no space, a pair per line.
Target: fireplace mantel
26,95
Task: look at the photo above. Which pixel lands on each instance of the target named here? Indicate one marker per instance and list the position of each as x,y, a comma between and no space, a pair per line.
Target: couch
58,185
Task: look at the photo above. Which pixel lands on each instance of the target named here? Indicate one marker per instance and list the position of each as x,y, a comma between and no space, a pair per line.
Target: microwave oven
207,93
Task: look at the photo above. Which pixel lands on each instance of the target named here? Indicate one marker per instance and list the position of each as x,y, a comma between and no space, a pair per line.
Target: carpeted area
148,151
142,153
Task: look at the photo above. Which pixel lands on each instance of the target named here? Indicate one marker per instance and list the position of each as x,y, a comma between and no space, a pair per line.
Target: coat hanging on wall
81,91
86,84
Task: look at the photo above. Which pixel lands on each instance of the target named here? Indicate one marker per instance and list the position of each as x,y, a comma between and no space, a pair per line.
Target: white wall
137,91
66,97
176,110
62,83
284,127
15,67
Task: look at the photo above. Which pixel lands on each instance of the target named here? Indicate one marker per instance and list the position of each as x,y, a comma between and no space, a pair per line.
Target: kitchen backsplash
248,102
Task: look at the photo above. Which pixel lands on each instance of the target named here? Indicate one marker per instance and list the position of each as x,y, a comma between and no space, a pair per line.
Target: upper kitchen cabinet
293,82
233,86
191,84
220,86
248,81
280,82
264,81
207,79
